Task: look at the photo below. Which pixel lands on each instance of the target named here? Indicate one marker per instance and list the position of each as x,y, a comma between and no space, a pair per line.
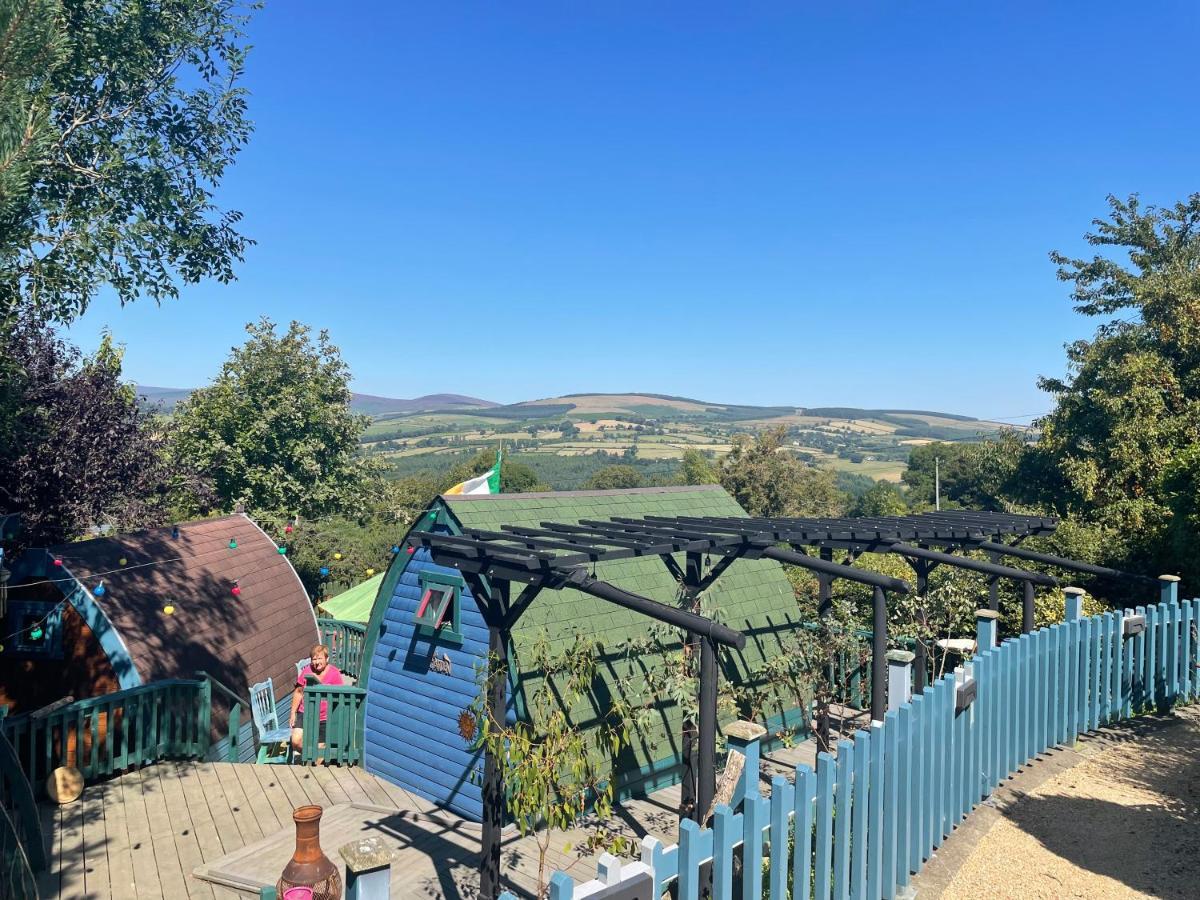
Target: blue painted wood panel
411,730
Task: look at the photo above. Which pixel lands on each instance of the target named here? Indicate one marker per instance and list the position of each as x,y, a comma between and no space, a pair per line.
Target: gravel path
1117,816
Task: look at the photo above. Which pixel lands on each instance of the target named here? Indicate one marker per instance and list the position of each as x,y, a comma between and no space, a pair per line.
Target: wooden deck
146,833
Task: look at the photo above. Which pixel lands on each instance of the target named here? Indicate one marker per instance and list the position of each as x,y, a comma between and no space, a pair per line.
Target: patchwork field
652,431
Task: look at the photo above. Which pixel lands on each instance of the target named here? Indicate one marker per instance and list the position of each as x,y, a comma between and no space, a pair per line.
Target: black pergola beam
975,565
1060,561
836,570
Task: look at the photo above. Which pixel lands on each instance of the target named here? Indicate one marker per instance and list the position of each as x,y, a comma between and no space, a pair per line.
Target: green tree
76,449
131,120
32,47
613,478
767,480
275,430
696,468
984,474
1119,450
882,499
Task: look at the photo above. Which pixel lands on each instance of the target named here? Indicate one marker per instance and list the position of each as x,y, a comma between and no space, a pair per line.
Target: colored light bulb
236,590
287,529
169,610
324,570
282,550
57,561
175,531
122,561
233,543
337,556
395,548
99,590
370,572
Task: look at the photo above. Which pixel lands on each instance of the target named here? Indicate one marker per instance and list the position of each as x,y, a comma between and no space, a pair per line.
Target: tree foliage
767,480
1120,448
615,478
275,429
76,451
881,499
696,468
981,475
131,120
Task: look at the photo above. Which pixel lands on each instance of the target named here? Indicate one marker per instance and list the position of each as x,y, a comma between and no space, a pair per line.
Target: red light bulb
236,591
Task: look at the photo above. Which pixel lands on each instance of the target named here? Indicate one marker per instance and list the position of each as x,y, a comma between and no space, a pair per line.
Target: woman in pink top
320,667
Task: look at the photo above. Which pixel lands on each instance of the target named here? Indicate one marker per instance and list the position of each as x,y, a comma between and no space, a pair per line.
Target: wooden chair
301,664
274,742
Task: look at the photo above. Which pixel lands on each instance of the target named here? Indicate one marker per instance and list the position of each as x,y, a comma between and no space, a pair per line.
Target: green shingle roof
752,596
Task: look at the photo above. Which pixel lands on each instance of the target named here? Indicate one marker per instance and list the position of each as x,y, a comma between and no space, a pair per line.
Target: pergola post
693,768
493,787
707,787
1027,607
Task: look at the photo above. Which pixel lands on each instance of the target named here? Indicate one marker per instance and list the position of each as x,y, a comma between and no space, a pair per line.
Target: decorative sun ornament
466,724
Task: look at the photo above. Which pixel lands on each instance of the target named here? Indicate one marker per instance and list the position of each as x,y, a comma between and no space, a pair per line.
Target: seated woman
323,673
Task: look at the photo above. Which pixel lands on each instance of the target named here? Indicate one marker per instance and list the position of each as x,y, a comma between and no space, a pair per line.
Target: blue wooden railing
107,734
345,641
342,742
22,851
867,819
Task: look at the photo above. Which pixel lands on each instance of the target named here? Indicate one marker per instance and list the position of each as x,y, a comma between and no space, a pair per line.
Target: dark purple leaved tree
76,450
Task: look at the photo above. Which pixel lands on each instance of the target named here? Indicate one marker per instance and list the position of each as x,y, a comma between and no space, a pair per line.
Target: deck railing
103,735
865,821
22,851
345,641
342,741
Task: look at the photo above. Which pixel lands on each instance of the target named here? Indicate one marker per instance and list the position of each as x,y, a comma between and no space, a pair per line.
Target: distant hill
367,404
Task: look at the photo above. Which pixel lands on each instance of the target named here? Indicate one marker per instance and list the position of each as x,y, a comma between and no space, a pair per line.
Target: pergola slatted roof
551,551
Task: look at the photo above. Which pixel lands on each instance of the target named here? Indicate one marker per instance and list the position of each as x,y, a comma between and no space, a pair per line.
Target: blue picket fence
862,824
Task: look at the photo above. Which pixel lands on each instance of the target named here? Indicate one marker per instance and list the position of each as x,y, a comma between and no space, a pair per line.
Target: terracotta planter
309,866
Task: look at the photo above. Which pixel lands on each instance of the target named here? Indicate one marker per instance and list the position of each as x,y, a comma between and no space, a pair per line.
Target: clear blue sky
792,203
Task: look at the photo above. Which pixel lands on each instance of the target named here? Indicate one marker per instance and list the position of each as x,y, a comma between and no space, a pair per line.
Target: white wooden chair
266,719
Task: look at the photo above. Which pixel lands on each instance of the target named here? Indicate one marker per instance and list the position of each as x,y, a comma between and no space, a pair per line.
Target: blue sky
794,203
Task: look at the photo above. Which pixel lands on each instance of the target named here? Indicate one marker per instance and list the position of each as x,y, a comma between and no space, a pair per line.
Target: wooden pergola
556,555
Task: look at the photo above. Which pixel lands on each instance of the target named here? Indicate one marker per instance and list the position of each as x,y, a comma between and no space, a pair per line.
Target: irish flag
487,483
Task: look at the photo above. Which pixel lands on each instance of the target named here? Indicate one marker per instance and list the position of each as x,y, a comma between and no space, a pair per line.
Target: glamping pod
102,615
427,641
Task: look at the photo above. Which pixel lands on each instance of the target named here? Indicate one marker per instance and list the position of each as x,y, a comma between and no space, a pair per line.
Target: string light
233,543
169,610
236,590
122,562
324,570
287,529
99,590
337,555
370,572
282,550
58,562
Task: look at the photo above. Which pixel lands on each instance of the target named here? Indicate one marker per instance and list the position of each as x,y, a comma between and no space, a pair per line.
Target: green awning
355,604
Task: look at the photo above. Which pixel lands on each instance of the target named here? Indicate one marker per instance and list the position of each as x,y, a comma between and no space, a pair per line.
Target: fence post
986,621
368,869
899,683
744,737
1074,603
1168,588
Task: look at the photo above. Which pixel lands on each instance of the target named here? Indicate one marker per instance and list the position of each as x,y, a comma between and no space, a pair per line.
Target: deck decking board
187,844
256,798
141,842
329,784
115,834
95,843
171,871
49,880
218,808
247,822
